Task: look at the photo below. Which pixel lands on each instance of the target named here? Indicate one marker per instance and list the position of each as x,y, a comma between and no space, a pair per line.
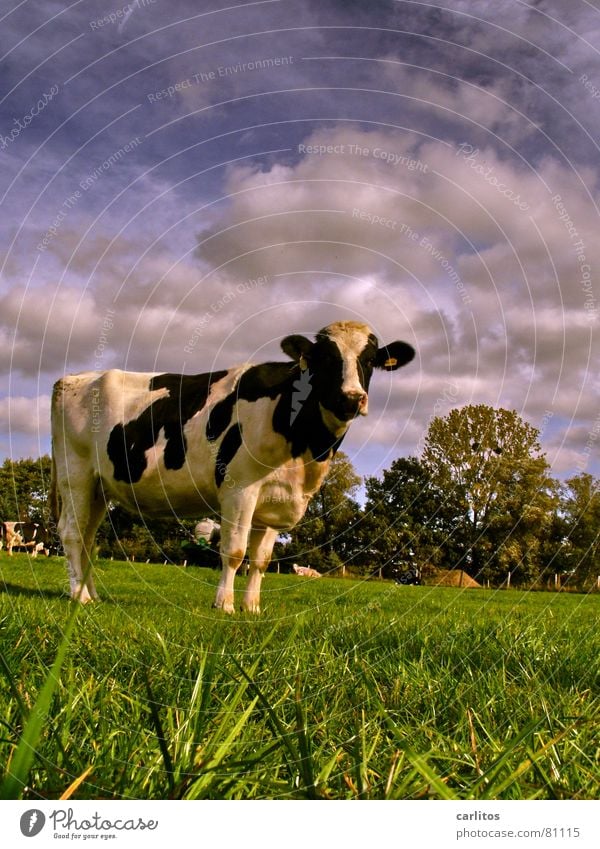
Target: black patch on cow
29,531
219,417
128,443
303,431
307,432
366,361
227,451
264,381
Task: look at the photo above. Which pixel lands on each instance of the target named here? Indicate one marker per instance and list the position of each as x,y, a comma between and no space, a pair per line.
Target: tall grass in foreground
341,689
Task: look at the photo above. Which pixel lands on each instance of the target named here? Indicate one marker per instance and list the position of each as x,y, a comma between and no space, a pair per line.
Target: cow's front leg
260,549
235,528
231,563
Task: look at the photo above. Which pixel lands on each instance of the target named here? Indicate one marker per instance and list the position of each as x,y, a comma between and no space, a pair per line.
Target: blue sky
176,173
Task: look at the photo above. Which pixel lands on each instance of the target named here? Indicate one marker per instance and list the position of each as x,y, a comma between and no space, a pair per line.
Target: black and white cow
32,536
252,445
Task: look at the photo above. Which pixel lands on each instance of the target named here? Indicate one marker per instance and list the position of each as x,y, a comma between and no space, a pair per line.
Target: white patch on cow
12,536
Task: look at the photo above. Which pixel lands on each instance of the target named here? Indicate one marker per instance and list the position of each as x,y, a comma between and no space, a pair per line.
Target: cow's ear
296,347
392,356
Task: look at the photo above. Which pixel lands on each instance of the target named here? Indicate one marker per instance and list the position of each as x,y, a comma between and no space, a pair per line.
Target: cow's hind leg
97,513
260,548
81,513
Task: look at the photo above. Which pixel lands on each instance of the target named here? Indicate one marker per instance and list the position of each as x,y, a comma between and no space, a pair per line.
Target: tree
580,513
324,537
406,518
125,534
24,488
489,462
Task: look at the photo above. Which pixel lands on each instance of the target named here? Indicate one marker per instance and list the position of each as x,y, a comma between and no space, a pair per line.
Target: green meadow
341,689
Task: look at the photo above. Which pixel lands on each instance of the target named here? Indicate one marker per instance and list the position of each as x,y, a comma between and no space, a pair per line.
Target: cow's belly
167,492
161,503
280,507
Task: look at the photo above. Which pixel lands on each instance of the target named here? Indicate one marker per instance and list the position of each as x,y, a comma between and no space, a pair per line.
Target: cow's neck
314,428
335,426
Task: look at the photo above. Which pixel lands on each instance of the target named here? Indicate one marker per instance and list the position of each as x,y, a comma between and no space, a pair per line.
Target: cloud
25,415
436,176
44,332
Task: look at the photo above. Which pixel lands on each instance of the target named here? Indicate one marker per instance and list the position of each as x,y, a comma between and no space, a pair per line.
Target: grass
341,689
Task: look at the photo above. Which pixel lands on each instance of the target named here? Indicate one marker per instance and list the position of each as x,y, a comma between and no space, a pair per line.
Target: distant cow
251,444
32,536
305,571
208,531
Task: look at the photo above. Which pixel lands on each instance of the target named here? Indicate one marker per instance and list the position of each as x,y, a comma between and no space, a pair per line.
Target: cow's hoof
83,595
250,608
83,599
226,608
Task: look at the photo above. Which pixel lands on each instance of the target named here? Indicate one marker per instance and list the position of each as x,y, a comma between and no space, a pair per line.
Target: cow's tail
53,496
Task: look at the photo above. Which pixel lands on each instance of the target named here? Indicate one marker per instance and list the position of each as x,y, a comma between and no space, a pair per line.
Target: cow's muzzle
355,404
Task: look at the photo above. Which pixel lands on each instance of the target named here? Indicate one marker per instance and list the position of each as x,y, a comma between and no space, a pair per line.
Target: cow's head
340,364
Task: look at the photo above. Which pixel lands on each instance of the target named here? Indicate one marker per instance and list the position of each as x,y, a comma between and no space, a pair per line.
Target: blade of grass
205,779
306,761
424,769
15,779
532,758
75,784
487,778
23,709
160,734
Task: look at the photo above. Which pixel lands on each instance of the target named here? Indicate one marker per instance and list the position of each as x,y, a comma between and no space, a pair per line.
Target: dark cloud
153,178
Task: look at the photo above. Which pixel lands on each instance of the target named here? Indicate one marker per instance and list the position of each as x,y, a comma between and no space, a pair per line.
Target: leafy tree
24,488
489,462
406,518
124,534
580,514
324,538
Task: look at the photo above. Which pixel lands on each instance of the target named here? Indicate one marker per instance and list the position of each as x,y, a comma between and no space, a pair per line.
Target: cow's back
86,406
129,431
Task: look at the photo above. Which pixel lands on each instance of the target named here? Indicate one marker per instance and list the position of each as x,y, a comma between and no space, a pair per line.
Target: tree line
479,498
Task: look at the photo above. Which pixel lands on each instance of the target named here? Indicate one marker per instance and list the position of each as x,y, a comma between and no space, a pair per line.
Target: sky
182,184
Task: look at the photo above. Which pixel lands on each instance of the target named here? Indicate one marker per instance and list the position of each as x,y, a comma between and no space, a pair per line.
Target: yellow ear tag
390,363
303,364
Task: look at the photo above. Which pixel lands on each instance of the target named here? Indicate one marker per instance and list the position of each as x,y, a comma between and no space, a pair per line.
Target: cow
208,531
251,444
31,536
305,571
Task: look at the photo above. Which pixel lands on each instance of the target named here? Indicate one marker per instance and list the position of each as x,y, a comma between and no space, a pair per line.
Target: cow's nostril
355,403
